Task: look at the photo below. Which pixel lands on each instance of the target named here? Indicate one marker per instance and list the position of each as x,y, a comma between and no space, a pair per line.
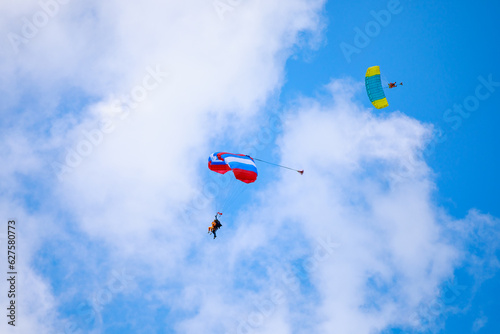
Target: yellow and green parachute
374,88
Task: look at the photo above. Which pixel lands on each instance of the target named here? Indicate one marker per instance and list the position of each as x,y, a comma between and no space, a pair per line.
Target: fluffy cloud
120,101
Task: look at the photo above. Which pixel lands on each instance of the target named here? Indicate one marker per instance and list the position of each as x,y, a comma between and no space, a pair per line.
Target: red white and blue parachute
243,166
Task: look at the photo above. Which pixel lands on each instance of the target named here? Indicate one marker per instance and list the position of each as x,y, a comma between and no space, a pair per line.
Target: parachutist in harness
214,227
393,84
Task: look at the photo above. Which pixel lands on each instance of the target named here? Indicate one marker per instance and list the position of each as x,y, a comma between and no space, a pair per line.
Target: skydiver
215,226
392,84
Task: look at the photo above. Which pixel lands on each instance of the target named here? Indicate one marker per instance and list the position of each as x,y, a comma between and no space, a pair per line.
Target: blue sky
111,110
438,50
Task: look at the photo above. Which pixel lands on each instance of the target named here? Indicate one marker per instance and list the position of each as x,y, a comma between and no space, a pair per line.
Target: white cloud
479,323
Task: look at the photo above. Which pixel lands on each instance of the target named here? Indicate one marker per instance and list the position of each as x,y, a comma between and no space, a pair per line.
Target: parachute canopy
243,166
374,88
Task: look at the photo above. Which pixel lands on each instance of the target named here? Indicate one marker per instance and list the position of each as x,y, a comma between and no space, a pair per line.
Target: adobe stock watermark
88,315
428,314
471,103
223,6
288,282
32,25
454,117
363,37
95,137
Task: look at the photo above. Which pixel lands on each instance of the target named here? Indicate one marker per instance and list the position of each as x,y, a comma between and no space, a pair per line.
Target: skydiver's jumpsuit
392,84
215,226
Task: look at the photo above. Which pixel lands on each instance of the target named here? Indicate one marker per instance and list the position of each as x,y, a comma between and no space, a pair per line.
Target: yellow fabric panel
371,71
379,104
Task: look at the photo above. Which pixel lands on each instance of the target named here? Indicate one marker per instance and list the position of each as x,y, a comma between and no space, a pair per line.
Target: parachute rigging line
301,172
